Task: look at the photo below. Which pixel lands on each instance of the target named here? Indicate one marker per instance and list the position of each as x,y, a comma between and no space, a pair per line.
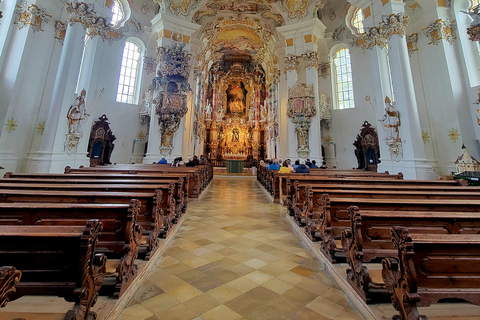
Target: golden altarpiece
236,111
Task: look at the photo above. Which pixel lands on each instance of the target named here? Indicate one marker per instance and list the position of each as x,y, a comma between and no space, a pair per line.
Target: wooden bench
181,181
65,185
328,221
119,240
429,268
58,261
369,237
156,215
9,277
296,186
199,176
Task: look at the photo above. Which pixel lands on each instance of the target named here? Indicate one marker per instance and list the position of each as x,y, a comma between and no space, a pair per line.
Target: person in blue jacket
302,168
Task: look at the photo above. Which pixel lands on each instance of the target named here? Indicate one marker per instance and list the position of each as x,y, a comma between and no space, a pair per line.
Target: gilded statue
77,113
391,122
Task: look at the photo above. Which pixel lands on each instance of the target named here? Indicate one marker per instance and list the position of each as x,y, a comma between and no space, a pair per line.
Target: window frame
334,78
138,76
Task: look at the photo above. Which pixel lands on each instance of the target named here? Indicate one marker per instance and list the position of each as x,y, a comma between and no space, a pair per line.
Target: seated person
162,161
274,165
190,163
324,165
314,165
196,161
297,163
308,163
285,168
302,168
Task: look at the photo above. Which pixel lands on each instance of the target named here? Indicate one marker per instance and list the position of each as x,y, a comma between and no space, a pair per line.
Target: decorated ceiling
241,28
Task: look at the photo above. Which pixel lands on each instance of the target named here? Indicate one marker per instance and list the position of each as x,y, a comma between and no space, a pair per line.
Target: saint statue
391,122
77,113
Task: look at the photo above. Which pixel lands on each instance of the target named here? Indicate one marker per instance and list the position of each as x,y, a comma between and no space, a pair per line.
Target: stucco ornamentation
11,125
412,43
324,69
311,59
31,15
441,29
60,30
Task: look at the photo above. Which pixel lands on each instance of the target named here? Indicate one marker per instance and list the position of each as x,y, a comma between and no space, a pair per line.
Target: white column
63,96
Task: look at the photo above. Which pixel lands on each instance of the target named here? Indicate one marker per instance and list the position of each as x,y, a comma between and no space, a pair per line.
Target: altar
235,162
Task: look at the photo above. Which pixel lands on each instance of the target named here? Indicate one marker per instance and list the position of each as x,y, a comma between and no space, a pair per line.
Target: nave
236,257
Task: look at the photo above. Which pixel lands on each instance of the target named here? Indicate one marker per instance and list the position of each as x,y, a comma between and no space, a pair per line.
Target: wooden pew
181,181
331,218
369,237
9,277
119,240
200,176
65,185
156,215
429,268
328,173
296,186
58,261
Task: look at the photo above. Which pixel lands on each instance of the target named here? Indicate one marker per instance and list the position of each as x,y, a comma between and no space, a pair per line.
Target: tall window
128,73
343,78
357,20
118,14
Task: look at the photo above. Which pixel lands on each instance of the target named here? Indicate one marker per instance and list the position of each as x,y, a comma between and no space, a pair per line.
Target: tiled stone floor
236,257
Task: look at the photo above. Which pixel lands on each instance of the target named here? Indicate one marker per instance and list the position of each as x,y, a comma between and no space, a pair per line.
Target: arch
354,13
127,12
342,78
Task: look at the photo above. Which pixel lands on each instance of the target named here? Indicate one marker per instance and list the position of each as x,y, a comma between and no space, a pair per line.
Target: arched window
357,20
343,79
118,14
127,81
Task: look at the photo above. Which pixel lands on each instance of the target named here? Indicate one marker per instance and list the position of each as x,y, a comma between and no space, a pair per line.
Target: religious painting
236,98
180,6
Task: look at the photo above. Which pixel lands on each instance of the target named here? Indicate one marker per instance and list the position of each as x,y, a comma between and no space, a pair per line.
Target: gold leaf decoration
425,136
11,125
41,128
453,134
141,135
328,139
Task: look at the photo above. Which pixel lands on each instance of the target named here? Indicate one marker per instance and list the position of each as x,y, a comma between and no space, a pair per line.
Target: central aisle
236,257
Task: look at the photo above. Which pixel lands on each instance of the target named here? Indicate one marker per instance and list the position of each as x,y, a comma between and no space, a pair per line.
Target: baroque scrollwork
292,62
60,30
441,29
324,69
31,15
389,26
311,59
412,43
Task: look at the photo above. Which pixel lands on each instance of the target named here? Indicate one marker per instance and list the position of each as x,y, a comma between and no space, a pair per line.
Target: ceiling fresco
242,27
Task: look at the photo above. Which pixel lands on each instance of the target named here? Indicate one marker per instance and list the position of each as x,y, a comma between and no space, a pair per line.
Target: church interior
97,92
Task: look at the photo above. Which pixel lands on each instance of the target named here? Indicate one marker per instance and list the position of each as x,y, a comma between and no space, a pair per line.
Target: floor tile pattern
236,257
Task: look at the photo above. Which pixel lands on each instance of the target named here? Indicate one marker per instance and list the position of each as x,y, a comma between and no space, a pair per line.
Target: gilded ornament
441,29
297,8
11,125
324,69
412,43
141,135
31,15
41,128
181,6
311,59
453,134
425,136
328,139
379,35
80,12
292,62
60,31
